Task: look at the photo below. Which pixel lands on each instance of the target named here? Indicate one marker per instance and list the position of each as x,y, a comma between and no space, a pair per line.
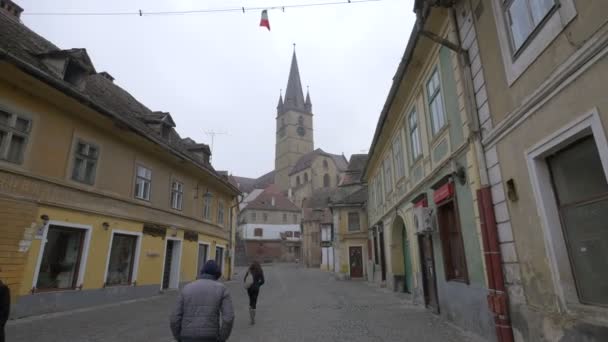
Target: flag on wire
264,21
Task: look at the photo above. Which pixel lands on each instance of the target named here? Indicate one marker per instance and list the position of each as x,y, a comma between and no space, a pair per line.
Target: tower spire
308,104
280,104
294,96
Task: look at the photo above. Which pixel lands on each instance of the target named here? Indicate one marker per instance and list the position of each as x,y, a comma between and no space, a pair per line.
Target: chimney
107,76
11,9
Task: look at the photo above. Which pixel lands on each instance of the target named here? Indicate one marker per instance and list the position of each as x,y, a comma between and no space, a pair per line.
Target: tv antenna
212,134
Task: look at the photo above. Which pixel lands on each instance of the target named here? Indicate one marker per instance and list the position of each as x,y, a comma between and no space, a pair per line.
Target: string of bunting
243,9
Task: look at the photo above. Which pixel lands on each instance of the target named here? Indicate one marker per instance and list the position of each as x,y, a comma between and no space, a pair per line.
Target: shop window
61,258
581,193
354,223
85,162
451,241
203,255
122,260
219,257
143,183
14,132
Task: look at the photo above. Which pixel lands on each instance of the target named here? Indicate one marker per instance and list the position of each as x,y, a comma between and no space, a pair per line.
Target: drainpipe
498,301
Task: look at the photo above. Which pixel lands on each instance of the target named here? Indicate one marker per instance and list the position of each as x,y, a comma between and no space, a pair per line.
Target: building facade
101,199
538,89
423,176
269,225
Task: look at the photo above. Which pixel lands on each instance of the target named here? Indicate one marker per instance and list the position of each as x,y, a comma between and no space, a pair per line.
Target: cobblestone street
296,304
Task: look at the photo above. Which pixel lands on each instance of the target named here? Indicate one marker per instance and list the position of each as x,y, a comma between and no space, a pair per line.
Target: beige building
350,240
101,199
539,70
313,172
294,132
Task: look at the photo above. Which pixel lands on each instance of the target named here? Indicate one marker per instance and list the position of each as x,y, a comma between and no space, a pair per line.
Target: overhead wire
243,9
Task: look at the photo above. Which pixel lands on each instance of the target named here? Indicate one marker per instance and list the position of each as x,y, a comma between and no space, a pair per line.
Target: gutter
44,77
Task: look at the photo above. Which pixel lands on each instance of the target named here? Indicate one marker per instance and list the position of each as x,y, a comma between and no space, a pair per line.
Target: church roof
246,184
272,199
306,161
354,170
294,96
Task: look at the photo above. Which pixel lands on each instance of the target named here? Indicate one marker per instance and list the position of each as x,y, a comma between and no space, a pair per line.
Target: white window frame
207,215
221,209
136,195
563,279
10,130
348,221
179,195
199,266
431,97
135,270
83,258
516,64
86,158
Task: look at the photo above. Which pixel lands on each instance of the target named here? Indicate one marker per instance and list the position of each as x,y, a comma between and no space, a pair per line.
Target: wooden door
428,272
168,263
355,255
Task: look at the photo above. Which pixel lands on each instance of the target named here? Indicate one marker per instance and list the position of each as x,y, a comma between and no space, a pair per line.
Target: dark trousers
2,334
253,296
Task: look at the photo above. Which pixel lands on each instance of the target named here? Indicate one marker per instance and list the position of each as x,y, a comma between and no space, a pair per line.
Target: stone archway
401,256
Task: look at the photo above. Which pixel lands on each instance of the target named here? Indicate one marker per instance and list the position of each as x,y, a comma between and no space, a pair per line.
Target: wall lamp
105,225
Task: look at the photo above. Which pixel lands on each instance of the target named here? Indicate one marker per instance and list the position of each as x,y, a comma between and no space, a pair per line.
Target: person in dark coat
255,279
5,307
203,312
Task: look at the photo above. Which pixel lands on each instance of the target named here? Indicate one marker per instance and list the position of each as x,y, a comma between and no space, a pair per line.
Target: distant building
269,226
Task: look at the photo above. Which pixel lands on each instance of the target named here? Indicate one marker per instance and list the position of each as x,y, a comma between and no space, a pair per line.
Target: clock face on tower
301,131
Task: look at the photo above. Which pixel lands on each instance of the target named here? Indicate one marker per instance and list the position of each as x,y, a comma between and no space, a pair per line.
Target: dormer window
74,74
165,130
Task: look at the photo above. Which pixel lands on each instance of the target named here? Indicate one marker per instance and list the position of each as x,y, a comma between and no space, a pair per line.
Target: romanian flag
264,21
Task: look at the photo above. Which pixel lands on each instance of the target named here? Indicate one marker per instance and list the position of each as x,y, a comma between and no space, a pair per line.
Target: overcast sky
222,72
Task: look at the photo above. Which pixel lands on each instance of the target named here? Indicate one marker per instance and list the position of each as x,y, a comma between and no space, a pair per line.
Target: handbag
248,281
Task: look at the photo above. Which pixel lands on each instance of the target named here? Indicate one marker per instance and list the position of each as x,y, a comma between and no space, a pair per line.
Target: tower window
297,180
305,177
325,164
326,181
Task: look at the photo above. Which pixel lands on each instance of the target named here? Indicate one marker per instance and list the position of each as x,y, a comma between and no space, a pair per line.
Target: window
326,181
284,218
253,216
300,121
451,241
414,135
297,180
435,103
523,17
388,174
337,180
265,216
398,157
207,208
325,164
354,224
295,218
14,131
220,213
61,258
296,235
85,162
143,183
305,177
122,260
258,232
289,234
177,195
581,193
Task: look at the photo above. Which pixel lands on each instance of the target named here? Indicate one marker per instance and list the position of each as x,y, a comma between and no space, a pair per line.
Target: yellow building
350,224
100,199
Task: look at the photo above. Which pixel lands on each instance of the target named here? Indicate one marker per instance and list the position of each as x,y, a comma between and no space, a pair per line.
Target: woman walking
254,279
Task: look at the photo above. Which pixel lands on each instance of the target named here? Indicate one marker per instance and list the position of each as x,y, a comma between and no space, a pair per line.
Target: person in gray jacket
200,308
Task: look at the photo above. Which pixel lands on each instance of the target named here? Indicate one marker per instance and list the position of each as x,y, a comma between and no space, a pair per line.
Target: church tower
294,137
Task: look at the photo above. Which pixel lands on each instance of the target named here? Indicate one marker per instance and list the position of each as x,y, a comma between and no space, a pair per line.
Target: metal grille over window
436,103
177,195
122,260
85,162
14,131
143,183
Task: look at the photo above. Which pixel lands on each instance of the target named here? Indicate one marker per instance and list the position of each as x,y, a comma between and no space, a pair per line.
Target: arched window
259,232
297,180
305,177
326,180
325,165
